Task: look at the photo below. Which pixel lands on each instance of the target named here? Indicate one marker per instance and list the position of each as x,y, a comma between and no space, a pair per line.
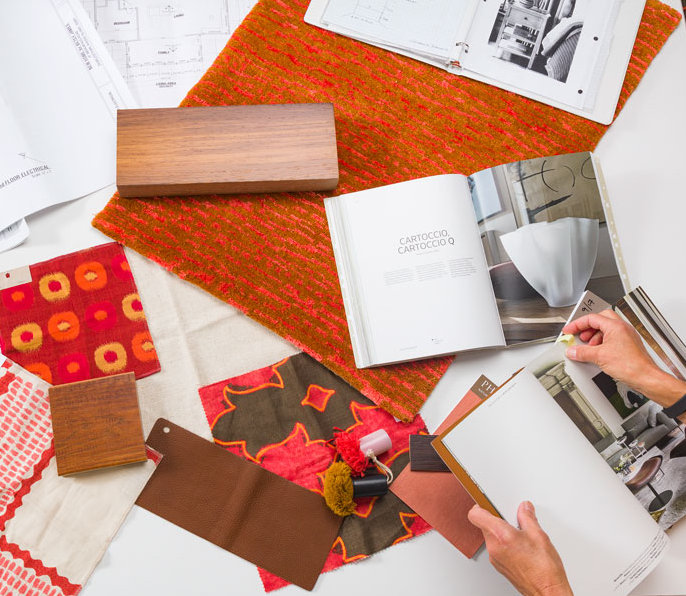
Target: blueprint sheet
163,47
59,94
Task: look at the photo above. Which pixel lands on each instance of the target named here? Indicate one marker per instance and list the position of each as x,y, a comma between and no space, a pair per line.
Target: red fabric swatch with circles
80,317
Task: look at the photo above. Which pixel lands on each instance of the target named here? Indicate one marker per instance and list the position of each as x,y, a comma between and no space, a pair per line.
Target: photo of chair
645,475
539,35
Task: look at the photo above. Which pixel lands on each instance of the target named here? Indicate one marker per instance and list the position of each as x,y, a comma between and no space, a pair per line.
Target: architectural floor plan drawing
162,48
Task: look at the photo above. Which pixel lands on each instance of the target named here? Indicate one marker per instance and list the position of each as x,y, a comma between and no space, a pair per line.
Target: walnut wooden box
226,149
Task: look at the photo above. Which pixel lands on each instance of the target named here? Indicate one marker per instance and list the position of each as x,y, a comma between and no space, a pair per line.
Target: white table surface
644,159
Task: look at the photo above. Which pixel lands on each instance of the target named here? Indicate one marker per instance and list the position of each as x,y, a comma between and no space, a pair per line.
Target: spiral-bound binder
461,47
572,56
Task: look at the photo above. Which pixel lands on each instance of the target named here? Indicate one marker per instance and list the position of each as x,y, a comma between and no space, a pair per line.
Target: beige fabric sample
68,522
199,340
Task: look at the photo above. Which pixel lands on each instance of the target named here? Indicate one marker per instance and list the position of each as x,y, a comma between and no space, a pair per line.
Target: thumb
583,353
526,516
484,520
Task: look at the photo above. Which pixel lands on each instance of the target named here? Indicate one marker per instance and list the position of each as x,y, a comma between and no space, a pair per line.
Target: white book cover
520,445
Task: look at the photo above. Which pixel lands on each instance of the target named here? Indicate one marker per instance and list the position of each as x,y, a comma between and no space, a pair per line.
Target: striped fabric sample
53,529
396,119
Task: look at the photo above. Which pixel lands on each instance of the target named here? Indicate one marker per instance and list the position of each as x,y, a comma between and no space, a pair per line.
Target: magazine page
428,27
556,49
643,446
661,341
413,274
519,445
588,304
547,238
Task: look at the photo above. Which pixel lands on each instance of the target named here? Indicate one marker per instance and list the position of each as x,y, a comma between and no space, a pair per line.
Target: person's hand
617,349
525,556
613,345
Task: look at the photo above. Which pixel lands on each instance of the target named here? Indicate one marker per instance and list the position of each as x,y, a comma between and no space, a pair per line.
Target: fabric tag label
483,387
15,277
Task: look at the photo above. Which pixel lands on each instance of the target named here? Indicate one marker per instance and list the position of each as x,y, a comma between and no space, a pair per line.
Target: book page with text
418,271
520,445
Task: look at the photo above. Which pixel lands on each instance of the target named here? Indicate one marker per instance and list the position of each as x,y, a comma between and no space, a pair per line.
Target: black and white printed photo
538,35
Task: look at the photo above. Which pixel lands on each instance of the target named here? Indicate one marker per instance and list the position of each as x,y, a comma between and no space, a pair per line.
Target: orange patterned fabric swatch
79,318
396,119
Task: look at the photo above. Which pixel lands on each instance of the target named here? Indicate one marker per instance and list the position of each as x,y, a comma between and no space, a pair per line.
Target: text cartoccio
424,241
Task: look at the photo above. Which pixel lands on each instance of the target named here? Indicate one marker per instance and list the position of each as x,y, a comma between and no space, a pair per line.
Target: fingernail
571,352
529,506
476,506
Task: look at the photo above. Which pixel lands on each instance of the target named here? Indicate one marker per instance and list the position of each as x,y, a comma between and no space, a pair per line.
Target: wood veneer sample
226,149
239,506
423,457
96,424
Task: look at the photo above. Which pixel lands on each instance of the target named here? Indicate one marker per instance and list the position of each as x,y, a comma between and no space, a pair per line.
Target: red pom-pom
348,448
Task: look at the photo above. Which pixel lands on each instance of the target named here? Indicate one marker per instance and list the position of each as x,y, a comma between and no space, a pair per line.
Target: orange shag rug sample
396,119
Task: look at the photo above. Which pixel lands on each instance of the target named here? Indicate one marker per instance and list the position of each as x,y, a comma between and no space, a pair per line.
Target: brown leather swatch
239,506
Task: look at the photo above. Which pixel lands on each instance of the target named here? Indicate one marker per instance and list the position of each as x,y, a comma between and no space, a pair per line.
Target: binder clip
347,479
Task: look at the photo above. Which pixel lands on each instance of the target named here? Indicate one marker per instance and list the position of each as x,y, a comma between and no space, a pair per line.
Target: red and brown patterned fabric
396,119
80,317
283,418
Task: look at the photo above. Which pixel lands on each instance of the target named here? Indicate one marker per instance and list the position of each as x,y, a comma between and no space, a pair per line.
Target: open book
572,54
448,263
601,462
